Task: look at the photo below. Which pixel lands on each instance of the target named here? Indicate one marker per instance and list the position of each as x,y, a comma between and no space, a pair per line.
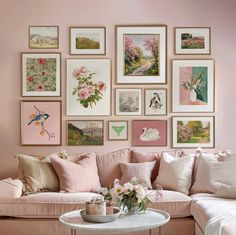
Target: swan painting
150,134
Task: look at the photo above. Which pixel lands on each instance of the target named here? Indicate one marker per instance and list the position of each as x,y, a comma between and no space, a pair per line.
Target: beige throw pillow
37,175
175,173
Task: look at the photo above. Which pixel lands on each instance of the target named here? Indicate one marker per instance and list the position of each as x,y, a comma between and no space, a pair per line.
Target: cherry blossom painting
141,54
193,132
41,123
41,74
88,87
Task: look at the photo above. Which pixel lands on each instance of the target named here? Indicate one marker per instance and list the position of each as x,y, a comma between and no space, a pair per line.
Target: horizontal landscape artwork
141,54
193,86
85,132
88,41
192,40
191,132
43,37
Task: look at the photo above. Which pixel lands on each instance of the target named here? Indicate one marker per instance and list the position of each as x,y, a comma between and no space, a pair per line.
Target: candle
97,207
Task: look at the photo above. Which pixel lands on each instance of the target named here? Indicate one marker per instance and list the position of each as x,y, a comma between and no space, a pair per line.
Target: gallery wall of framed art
126,98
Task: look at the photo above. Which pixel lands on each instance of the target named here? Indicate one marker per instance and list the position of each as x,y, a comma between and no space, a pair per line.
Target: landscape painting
193,131
141,54
43,37
192,40
193,86
85,132
40,122
41,74
117,130
88,40
128,101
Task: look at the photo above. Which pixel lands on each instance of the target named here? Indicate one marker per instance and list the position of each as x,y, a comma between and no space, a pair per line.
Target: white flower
116,181
116,191
128,187
140,192
103,190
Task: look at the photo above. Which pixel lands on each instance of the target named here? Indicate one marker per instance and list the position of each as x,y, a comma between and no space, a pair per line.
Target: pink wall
16,16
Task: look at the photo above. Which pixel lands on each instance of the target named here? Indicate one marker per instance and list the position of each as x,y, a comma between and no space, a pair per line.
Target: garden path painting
141,55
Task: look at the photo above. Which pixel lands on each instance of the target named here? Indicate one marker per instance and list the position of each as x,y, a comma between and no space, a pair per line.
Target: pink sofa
38,213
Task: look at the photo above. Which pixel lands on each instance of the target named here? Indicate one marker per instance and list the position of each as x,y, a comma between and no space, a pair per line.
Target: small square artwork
88,41
155,102
192,40
193,86
40,122
117,130
85,132
41,74
149,133
128,101
141,54
193,132
43,37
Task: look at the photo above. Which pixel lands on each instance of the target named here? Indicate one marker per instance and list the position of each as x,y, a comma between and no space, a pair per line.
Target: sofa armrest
10,188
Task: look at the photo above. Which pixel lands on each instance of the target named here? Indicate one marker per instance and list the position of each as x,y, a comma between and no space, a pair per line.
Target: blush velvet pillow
142,171
80,176
175,173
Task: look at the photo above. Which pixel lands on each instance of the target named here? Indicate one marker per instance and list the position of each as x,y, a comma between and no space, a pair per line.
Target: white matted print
141,54
88,40
41,74
117,130
193,40
155,102
193,132
193,86
88,87
128,101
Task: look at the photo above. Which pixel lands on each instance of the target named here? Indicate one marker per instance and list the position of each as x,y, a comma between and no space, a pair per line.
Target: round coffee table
126,223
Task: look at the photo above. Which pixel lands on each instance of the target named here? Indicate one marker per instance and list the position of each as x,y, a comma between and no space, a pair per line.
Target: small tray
100,218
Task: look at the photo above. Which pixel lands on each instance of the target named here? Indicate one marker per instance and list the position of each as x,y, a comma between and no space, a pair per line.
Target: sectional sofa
190,195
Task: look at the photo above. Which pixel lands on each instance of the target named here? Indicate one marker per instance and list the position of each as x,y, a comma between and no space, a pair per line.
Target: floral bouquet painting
88,92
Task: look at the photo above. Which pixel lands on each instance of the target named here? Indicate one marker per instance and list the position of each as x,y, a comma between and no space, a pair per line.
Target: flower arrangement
87,91
194,84
131,197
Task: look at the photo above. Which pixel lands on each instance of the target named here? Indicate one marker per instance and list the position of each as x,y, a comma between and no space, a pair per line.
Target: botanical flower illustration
41,74
39,118
87,91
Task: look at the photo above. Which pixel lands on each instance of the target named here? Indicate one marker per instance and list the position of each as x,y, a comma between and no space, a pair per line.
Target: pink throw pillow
139,157
142,171
81,176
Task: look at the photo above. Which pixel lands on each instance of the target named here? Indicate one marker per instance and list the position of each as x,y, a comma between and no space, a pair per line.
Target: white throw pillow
226,191
212,173
175,173
10,188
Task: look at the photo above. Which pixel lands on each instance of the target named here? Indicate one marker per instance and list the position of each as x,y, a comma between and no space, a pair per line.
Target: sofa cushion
175,173
206,207
80,176
109,165
175,203
37,175
142,171
44,205
212,173
10,188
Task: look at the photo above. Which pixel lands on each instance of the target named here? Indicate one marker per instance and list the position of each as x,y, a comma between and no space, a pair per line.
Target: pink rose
30,79
91,90
40,87
83,93
41,61
101,86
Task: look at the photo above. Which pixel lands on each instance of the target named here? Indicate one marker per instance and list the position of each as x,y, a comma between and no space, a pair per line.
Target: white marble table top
127,223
